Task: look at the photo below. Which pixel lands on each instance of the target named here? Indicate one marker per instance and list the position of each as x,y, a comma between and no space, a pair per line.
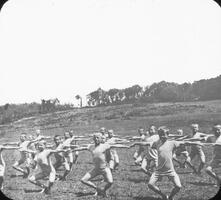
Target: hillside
90,119
129,181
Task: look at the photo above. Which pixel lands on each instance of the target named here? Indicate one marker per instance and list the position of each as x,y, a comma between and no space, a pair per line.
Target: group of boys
35,153
168,146
157,149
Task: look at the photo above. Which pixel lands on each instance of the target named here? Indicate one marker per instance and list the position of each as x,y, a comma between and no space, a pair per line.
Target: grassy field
129,181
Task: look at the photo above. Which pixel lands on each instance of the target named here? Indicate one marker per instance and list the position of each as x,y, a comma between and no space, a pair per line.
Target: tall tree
79,98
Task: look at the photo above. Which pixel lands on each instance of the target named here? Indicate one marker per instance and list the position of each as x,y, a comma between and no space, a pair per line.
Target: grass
129,181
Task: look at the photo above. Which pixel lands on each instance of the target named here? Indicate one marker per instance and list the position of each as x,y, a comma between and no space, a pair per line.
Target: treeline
206,89
163,91
13,112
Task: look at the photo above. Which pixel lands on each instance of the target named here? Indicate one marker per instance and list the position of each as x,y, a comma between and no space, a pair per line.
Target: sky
54,48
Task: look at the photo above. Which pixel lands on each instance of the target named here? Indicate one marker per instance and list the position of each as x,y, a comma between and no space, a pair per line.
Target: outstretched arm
9,147
47,137
189,143
87,147
134,138
183,138
29,151
81,136
58,151
49,145
141,143
117,141
212,144
119,146
193,139
11,143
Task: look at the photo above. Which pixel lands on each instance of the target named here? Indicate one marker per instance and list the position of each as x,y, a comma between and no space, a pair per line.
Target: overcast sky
60,48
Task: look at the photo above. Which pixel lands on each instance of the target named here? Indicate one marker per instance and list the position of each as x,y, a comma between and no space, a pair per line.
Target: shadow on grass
136,180
14,176
99,178
82,194
32,190
147,198
200,183
188,198
184,172
136,170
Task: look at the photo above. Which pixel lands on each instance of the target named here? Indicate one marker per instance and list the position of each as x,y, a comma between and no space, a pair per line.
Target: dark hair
56,136
71,133
163,129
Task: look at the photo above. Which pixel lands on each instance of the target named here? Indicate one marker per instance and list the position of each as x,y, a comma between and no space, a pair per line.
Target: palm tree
78,97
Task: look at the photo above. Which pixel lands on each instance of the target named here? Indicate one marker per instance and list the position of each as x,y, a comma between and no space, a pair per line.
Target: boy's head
195,128
163,133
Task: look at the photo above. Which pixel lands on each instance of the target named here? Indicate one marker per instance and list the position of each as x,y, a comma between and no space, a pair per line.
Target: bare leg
174,191
138,160
67,171
188,162
157,190
109,179
144,165
211,173
27,172
116,160
153,179
70,165
86,179
200,167
63,178
36,182
176,160
76,157
52,176
1,182
16,167
135,155
71,160
177,185
203,160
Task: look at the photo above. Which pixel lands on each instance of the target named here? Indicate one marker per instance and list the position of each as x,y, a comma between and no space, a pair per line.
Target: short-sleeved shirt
197,148
43,161
152,152
165,155
142,148
59,156
23,146
99,155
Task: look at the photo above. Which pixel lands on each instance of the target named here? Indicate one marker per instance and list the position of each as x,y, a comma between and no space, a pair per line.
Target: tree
6,106
78,97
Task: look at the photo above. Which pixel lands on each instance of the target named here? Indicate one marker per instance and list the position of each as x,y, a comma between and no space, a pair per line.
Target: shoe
199,174
100,192
42,191
218,183
165,197
116,166
46,191
58,178
62,179
104,194
25,175
148,173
